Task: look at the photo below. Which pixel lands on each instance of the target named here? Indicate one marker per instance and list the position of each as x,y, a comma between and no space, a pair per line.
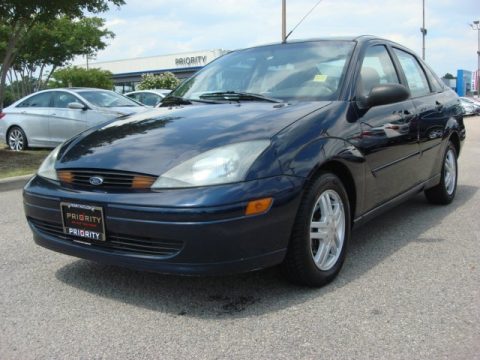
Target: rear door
389,137
432,105
32,116
65,122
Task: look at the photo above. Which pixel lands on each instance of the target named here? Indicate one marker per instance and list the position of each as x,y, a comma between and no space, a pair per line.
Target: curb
14,183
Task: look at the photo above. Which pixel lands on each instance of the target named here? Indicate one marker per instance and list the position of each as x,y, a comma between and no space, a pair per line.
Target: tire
307,261
444,192
17,140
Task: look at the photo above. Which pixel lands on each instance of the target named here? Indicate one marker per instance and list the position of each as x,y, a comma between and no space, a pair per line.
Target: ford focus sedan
47,118
269,155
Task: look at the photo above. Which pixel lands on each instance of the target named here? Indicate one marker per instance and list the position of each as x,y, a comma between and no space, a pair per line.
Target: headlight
47,169
222,165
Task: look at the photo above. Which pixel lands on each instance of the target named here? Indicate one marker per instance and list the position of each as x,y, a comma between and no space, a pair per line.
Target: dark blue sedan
269,155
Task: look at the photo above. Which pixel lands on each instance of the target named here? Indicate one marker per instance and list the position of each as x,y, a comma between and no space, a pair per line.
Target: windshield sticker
320,78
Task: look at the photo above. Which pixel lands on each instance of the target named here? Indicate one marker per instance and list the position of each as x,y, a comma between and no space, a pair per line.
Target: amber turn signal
65,176
258,206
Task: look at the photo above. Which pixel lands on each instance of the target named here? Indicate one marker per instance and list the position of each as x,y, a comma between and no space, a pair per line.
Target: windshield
107,99
305,71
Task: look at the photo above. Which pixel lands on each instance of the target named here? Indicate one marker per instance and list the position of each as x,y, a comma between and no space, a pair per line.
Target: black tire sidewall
311,274
449,197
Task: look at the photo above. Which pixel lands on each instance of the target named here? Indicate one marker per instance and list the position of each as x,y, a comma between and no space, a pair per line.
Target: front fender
335,154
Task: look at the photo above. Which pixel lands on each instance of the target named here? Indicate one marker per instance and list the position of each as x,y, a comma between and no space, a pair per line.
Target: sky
161,27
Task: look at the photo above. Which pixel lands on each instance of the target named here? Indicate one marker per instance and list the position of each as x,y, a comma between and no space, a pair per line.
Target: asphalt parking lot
410,289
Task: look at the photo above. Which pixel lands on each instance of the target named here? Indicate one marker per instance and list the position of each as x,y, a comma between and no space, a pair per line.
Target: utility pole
284,21
476,26
423,30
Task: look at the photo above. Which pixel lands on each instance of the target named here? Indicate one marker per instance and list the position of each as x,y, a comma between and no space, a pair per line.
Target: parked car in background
149,97
49,117
267,155
470,106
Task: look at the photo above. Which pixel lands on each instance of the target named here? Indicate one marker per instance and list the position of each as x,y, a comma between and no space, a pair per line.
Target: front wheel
320,234
444,192
17,140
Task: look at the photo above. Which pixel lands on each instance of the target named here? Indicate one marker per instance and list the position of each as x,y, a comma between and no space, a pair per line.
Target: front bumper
187,231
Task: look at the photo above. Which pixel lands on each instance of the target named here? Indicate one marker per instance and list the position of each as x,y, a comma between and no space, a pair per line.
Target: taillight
2,115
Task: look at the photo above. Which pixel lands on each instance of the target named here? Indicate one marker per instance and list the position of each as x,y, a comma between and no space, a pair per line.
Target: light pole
476,26
423,30
284,21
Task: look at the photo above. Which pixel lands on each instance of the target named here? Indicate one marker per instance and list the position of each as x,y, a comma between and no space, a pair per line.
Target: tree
80,77
18,17
53,45
448,76
162,81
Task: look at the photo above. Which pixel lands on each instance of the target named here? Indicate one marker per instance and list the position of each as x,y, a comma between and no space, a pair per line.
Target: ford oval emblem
96,180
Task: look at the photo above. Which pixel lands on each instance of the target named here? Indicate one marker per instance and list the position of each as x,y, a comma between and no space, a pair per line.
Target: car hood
122,110
154,141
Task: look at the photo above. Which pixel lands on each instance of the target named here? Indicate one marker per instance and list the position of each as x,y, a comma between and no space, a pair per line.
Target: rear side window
416,79
62,99
38,101
435,82
151,99
136,97
377,68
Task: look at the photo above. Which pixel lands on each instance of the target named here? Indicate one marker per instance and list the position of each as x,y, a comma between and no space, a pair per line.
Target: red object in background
2,115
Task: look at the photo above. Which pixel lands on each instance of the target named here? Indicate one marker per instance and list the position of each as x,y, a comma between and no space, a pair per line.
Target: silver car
149,97
469,107
47,118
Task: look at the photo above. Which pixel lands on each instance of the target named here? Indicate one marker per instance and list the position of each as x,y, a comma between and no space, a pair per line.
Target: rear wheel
320,235
17,140
444,192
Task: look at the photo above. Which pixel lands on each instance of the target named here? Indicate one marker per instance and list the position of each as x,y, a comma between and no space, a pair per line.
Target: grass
16,163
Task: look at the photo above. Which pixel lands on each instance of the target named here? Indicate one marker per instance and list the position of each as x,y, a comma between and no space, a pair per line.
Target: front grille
120,242
109,179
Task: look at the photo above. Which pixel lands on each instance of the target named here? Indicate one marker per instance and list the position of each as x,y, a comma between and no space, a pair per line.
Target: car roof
154,91
360,39
73,89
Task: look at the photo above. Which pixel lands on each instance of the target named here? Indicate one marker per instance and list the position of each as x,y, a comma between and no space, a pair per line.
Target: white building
127,72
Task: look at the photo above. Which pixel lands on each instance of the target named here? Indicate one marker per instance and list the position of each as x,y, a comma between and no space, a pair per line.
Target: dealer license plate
83,221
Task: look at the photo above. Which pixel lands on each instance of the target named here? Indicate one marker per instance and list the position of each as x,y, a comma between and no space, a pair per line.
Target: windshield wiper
239,95
178,100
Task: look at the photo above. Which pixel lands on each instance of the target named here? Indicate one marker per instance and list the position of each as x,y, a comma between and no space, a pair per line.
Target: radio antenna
308,13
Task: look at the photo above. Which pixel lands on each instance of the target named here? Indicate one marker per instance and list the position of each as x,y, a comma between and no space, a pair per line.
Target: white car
470,107
47,118
149,97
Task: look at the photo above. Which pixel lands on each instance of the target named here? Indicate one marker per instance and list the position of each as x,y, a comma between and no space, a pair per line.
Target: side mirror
385,94
77,106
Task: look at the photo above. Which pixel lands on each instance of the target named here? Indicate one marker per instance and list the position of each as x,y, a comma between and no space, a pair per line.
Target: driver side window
377,68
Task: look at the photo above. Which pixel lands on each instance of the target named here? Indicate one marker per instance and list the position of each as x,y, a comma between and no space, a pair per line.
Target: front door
65,122
389,133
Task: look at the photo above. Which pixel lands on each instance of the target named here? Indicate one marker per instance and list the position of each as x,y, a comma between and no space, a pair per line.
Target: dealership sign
191,61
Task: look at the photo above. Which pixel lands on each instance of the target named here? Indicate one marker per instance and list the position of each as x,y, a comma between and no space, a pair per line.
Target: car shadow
262,291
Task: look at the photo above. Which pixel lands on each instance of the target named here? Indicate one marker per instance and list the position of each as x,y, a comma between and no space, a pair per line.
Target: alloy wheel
450,172
327,229
16,140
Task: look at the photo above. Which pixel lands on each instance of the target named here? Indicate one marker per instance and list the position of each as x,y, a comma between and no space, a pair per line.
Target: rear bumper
209,239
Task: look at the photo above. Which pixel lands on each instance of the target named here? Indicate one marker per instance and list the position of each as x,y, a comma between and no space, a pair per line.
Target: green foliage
449,76
18,18
60,40
32,11
54,44
162,81
80,77
9,98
